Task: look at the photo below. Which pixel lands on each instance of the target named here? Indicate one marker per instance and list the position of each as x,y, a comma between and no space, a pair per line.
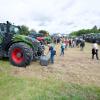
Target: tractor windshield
14,29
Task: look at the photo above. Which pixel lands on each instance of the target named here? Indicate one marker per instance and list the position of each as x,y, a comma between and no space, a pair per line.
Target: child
62,49
52,54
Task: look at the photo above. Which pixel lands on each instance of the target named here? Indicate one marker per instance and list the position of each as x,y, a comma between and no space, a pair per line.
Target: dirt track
76,67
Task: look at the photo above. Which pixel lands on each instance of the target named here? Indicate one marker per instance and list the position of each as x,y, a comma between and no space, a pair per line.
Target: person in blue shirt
52,54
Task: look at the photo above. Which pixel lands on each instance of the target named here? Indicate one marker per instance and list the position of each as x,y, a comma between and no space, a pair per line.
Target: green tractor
40,37
20,49
48,39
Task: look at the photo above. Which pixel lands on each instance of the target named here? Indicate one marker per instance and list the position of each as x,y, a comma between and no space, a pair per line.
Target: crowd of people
72,43
65,43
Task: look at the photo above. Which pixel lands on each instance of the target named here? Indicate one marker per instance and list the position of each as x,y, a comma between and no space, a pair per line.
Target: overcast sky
61,16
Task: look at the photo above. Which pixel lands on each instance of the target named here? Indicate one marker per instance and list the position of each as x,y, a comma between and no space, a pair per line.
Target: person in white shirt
95,50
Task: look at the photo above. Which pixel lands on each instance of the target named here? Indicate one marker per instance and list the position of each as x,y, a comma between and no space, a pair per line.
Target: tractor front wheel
20,54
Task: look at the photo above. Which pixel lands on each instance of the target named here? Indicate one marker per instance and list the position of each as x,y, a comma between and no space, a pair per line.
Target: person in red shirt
66,43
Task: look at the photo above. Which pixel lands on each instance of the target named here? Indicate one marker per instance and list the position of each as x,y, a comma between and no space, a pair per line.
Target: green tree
94,29
24,30
99,30
33,31
45,33
85,31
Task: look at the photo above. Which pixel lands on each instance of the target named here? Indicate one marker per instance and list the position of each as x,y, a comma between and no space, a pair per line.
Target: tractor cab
7,31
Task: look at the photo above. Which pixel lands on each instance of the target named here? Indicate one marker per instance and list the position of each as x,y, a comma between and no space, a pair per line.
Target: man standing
82,44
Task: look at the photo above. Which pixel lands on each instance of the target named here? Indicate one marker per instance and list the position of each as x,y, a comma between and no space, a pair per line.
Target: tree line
24,30
85,31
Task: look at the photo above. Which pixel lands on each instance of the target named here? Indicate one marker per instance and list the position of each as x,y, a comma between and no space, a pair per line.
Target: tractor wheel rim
17,55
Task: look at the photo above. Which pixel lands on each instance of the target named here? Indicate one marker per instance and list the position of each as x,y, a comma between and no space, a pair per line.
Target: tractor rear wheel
20,54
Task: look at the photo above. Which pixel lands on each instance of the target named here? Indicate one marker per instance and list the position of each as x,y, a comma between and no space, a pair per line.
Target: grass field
73,77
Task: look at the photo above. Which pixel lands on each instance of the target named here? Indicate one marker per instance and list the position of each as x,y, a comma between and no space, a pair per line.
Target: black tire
26,54
1,55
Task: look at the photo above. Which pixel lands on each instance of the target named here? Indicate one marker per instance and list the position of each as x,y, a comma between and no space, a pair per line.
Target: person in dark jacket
82,45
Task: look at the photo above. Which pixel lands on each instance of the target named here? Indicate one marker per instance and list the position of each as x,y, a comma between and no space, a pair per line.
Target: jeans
52,59
95,53
62,52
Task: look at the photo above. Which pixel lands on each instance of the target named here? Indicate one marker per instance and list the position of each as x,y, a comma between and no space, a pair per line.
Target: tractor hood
23,38
34,43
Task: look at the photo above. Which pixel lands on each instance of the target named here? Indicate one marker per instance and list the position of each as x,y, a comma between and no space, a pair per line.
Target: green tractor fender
24,39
